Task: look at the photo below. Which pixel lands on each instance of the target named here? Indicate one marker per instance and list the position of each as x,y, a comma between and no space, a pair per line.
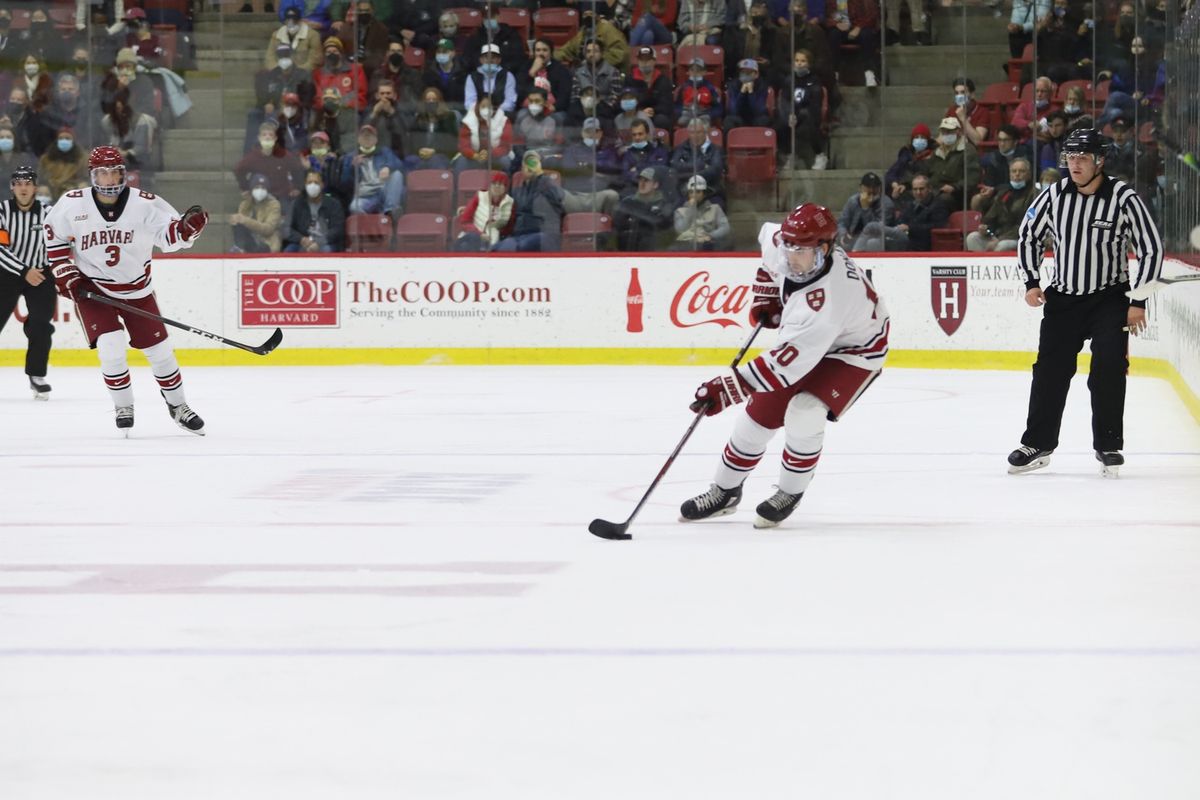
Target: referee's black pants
39,301
1066,322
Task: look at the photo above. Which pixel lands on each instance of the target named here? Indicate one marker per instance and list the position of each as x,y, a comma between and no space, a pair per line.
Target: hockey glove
70,281
192,222
720,393
767,307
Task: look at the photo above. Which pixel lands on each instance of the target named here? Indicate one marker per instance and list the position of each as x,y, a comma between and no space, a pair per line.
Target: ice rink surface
378,583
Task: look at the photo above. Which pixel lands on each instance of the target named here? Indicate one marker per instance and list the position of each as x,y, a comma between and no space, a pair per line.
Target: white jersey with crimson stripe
112,245
835,315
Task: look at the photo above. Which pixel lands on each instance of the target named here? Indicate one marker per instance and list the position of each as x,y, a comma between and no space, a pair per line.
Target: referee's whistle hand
34,277
1035,298
1136,320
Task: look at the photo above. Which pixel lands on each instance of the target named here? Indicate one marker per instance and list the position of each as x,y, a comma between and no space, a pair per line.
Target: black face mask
4,23
332,59
431,108
81,63
396,59
15,109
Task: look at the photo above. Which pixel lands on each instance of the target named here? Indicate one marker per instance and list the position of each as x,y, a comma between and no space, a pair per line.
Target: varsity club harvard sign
948,294
297,299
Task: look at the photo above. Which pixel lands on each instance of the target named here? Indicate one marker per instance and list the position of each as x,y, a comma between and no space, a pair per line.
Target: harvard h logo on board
948,296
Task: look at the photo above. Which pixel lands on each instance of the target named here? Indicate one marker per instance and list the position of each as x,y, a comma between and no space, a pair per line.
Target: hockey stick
1144,292
611,530
262,349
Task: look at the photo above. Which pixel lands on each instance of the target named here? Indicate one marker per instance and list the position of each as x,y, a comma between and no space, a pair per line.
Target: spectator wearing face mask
271,160
67,111
292,124
450,30
629,114
953,167
1122,155
910,224
994,165
64,164
140,37
509,47
746,98
1073,107
535,127
270,85
322,159
405,80
492,81
364,38
798,116
653,87
11,159
445,73
134,135
317,223
698,156
485,138
910,160
372,177
316,13
487,217
1004,210
302,42
433,137
698,98
41,40
602,79
589,165
337,121
127,74
346,77
38,84
556,77
972,117
642,152
1056,131
256,222
21,122
1028,116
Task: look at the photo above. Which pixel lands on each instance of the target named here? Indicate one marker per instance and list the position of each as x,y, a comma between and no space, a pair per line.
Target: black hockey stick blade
609,530
270,344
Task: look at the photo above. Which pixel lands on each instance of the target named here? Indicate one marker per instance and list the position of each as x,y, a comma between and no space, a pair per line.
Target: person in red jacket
345,76
485,138
487,218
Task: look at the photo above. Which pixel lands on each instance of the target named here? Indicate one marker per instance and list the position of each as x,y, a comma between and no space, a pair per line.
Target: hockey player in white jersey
101,240
833,339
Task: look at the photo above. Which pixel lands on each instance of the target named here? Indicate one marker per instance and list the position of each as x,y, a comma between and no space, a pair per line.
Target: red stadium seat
414,58
429,191
470,181
1015,65
516,18
667,18
1060,96
583,231
664,56
713,57
368,233
750,155
556,24
951,237
422,233
714,135
469,19
167,39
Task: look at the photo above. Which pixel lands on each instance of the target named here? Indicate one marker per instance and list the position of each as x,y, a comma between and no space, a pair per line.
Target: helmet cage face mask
108,190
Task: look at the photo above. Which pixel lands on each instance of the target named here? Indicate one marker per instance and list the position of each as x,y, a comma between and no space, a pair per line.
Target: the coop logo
948,295
296,299
699,302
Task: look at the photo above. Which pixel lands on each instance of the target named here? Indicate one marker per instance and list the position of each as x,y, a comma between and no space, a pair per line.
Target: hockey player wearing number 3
833,340
100,240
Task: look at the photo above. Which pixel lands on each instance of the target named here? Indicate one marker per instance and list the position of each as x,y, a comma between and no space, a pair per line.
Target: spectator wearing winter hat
341,74
270,85
487,217
698,98
746,98
256,222
303,43
911,159
141,37
126,74
701,224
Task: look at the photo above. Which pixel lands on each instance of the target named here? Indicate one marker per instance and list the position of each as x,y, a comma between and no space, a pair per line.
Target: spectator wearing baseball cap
746,98
698,98
613,45
372,176
490,79
950,162
303,43
446,71
317,15
911,158
653,87
869,204
293,123
510,47
701,224
642,218
256,222
588,163
323,158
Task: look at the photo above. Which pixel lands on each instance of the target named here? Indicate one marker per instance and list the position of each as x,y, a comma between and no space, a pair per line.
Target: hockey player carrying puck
100,240
833,339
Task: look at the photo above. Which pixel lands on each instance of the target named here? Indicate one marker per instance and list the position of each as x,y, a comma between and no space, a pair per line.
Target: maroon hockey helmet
103,159
809,225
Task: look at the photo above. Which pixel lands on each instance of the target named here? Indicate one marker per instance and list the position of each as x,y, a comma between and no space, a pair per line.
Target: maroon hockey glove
192,222
767,311
720,393
70,281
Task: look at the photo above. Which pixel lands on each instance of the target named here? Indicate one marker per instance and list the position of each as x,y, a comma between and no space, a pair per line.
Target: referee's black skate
716,502
124,418
1110,462
186,418
776,508
41,389
1027,459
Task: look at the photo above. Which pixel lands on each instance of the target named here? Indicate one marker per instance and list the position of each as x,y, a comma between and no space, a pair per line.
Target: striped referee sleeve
1144,236
8,261
1030,241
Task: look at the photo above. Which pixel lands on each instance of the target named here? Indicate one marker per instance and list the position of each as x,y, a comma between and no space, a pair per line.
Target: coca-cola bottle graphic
633,303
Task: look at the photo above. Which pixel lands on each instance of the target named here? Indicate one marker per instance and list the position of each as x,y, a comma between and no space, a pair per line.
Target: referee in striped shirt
1094,220
22,260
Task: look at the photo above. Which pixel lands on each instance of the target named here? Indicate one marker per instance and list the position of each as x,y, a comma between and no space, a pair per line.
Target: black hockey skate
124,418
186,418
41,389
1027,459
716,502
776,508
1110,462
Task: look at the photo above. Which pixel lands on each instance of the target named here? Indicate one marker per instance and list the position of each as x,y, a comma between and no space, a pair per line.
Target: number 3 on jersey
114,255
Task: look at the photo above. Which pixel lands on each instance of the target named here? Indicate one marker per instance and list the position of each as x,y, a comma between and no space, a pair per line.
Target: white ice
378,583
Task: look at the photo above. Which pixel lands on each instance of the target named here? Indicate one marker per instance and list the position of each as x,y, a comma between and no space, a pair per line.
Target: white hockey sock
804,432
743,452
112,348
166,371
